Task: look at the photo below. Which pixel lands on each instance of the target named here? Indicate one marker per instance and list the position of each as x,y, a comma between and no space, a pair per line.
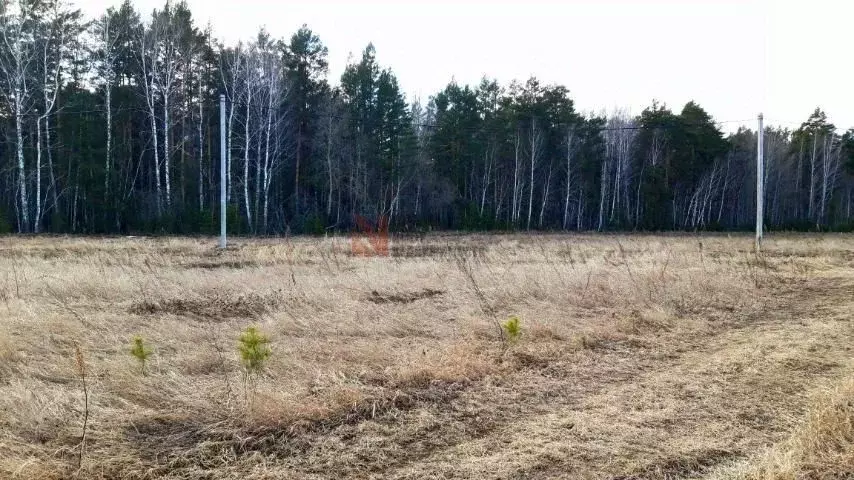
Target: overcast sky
735,58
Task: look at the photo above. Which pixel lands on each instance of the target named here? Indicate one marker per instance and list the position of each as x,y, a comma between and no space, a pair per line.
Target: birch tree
232,71
149,71
58,24
18,63
108,35
536,145
165,32
273,89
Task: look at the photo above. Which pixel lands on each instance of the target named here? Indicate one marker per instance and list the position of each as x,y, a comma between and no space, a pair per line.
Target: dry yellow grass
641,357
823,447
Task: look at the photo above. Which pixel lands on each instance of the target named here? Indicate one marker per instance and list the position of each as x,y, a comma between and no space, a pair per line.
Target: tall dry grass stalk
81,371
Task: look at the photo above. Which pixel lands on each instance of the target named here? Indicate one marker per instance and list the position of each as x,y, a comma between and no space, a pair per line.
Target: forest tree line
112,125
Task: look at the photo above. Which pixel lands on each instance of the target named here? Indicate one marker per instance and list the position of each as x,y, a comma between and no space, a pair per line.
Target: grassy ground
640,357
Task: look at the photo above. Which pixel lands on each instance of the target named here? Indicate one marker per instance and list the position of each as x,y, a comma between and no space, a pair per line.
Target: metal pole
760,183
222,176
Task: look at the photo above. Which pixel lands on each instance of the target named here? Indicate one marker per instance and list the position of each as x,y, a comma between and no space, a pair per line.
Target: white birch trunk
723,190
267,160
38,216
545,197
534,143
109,112
50,84
486,174
638,196
154,145
230,148
267,164
51,176
22,173
231,94
514,215
812,178
246,148
329,166
258,167
568,179
148,85
825,177
166,168
603,192
201,147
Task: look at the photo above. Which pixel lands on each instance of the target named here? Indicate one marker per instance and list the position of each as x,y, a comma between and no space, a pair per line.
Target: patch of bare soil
424,250
213,264
213,307
403,297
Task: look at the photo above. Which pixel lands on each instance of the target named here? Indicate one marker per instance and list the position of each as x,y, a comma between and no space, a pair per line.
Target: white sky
735,58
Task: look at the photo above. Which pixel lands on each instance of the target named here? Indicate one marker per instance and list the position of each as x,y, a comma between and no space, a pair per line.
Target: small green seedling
254,350
141,352
512,329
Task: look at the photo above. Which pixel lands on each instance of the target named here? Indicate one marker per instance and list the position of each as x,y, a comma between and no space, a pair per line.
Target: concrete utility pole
222,147
760,182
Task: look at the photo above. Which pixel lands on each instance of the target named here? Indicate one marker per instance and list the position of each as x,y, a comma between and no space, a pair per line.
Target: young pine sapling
254,351
141,352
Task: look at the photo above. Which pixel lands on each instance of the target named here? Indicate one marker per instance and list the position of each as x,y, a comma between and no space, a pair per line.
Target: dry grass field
640,357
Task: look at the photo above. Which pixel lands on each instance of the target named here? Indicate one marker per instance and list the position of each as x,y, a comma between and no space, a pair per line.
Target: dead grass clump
813,366
530,359
685,465
219,306
210,265
323,408
204,363
278,426
583,341
132,389
8,350
458,363
163,435
541,333
821,448
461,370
39,419
645,321
336,406
427,250
403,297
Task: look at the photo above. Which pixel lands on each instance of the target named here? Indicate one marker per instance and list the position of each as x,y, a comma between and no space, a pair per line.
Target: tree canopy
112,126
